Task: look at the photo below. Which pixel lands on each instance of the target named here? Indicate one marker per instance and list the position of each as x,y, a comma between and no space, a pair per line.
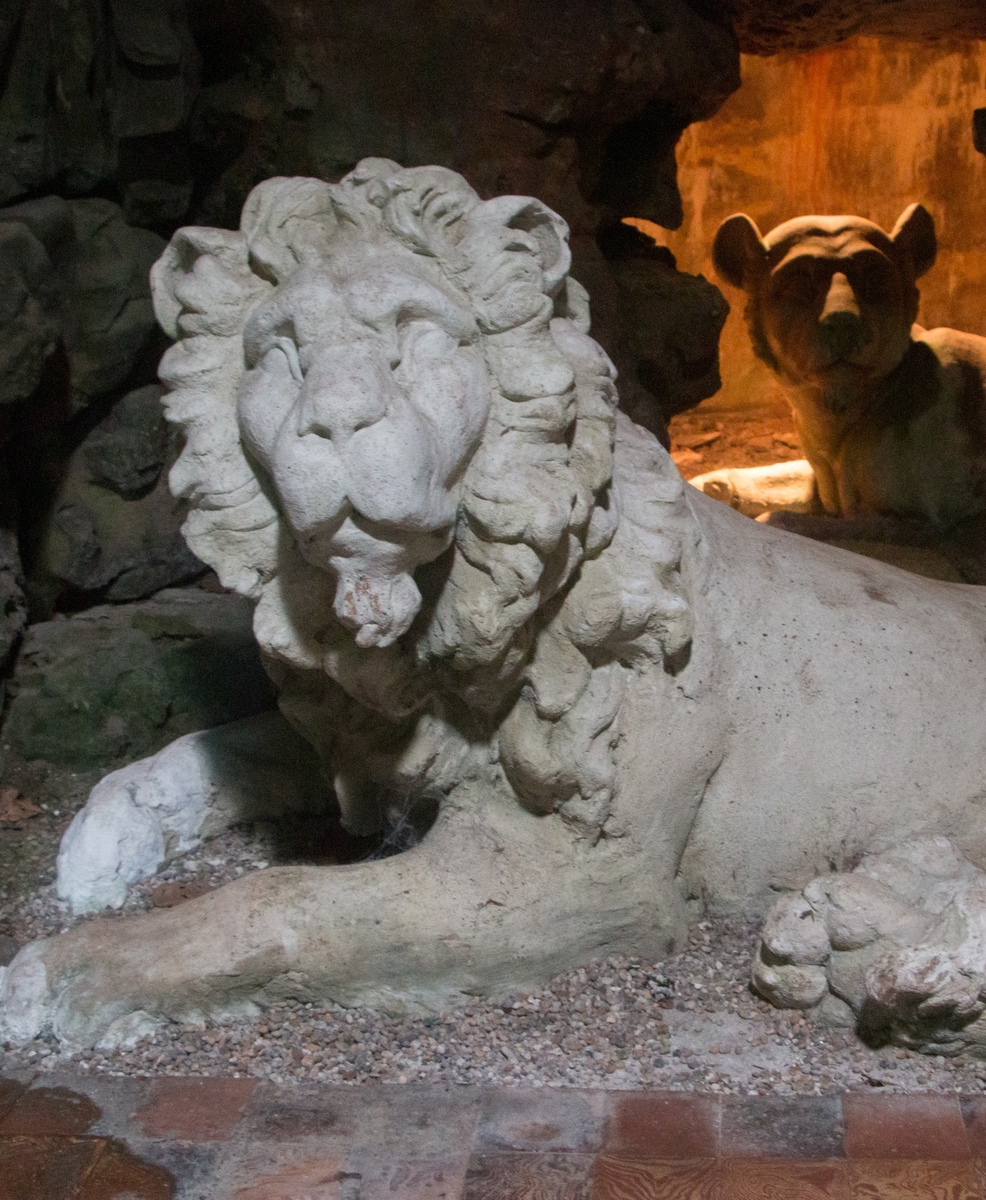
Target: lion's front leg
485,904
140,817
789,487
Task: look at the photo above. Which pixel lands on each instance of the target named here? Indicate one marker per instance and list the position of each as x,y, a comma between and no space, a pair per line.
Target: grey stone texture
73,271
82,78
120,681
115,529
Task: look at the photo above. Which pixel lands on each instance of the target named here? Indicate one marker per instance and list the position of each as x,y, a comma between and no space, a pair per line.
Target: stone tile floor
72,1137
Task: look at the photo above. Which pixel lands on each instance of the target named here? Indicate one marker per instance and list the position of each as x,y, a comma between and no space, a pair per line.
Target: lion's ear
177,288
914,237
551,234
738,252
546,227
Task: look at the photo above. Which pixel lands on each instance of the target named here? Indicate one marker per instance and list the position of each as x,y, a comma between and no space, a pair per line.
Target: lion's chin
378,608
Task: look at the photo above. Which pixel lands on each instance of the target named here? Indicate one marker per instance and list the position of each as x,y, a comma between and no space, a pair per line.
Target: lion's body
625,702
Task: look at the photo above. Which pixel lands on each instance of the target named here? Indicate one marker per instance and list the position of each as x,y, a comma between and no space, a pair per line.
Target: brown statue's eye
874,287
795,287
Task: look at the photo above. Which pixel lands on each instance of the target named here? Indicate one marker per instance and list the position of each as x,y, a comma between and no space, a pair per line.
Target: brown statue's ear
738,251
914,237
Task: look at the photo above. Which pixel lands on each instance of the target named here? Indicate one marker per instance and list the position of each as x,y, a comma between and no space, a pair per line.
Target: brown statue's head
831,299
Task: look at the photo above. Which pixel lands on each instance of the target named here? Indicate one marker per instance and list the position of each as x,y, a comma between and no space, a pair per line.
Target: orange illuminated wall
863,128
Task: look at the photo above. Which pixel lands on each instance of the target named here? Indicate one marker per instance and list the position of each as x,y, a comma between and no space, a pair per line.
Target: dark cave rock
772,26
114,529
121,681
75,270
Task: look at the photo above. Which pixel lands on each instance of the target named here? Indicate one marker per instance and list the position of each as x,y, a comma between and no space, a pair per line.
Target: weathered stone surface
30,310
667,328
902,939
76,271
13,610
83,78
770,26
108,300
127,451
578,103
137,819
119,681
114,530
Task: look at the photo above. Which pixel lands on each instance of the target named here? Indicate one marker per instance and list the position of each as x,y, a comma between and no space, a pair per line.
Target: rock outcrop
119,681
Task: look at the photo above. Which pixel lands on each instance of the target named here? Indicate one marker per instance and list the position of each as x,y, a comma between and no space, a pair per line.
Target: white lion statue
484,592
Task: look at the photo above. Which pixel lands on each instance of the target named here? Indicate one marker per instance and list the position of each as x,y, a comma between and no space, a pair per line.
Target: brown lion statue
892,417
488,600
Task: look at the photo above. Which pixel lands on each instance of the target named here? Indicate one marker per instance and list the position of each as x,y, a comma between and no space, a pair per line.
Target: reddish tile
434,1180
316,1179
117,1096
782,1127
418,1123
784,1179
901,1179
974,1114
528,1177
925,1126
49,1110
195,1110
541,1119
665,1125
10,1090
117,1173
44,1168
650,1179
297,1111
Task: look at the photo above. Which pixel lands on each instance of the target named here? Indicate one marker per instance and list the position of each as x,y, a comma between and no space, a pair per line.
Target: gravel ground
690,1022
707,438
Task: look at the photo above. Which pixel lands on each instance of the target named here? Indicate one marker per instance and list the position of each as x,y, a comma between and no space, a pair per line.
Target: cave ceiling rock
775,26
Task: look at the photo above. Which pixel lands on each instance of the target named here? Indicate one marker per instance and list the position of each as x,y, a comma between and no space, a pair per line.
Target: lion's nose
843,331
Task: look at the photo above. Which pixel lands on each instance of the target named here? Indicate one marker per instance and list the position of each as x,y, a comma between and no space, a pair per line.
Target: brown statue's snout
841,326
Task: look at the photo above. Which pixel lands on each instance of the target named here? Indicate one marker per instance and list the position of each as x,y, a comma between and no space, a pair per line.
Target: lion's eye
421,340
290,351
796,287
874,287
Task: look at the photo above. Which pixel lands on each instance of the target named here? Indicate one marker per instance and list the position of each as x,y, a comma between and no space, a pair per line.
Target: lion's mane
561,577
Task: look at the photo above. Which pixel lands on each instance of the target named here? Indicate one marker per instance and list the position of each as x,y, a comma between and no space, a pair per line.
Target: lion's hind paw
902,940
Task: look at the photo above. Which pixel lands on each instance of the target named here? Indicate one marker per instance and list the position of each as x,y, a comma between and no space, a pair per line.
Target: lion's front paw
113,842
902,940
24,996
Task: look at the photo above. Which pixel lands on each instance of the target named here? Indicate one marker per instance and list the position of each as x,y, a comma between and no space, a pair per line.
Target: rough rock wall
771,26
122,119
88,85
866,127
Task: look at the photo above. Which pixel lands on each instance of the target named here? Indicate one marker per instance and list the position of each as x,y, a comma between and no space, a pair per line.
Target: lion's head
400,442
